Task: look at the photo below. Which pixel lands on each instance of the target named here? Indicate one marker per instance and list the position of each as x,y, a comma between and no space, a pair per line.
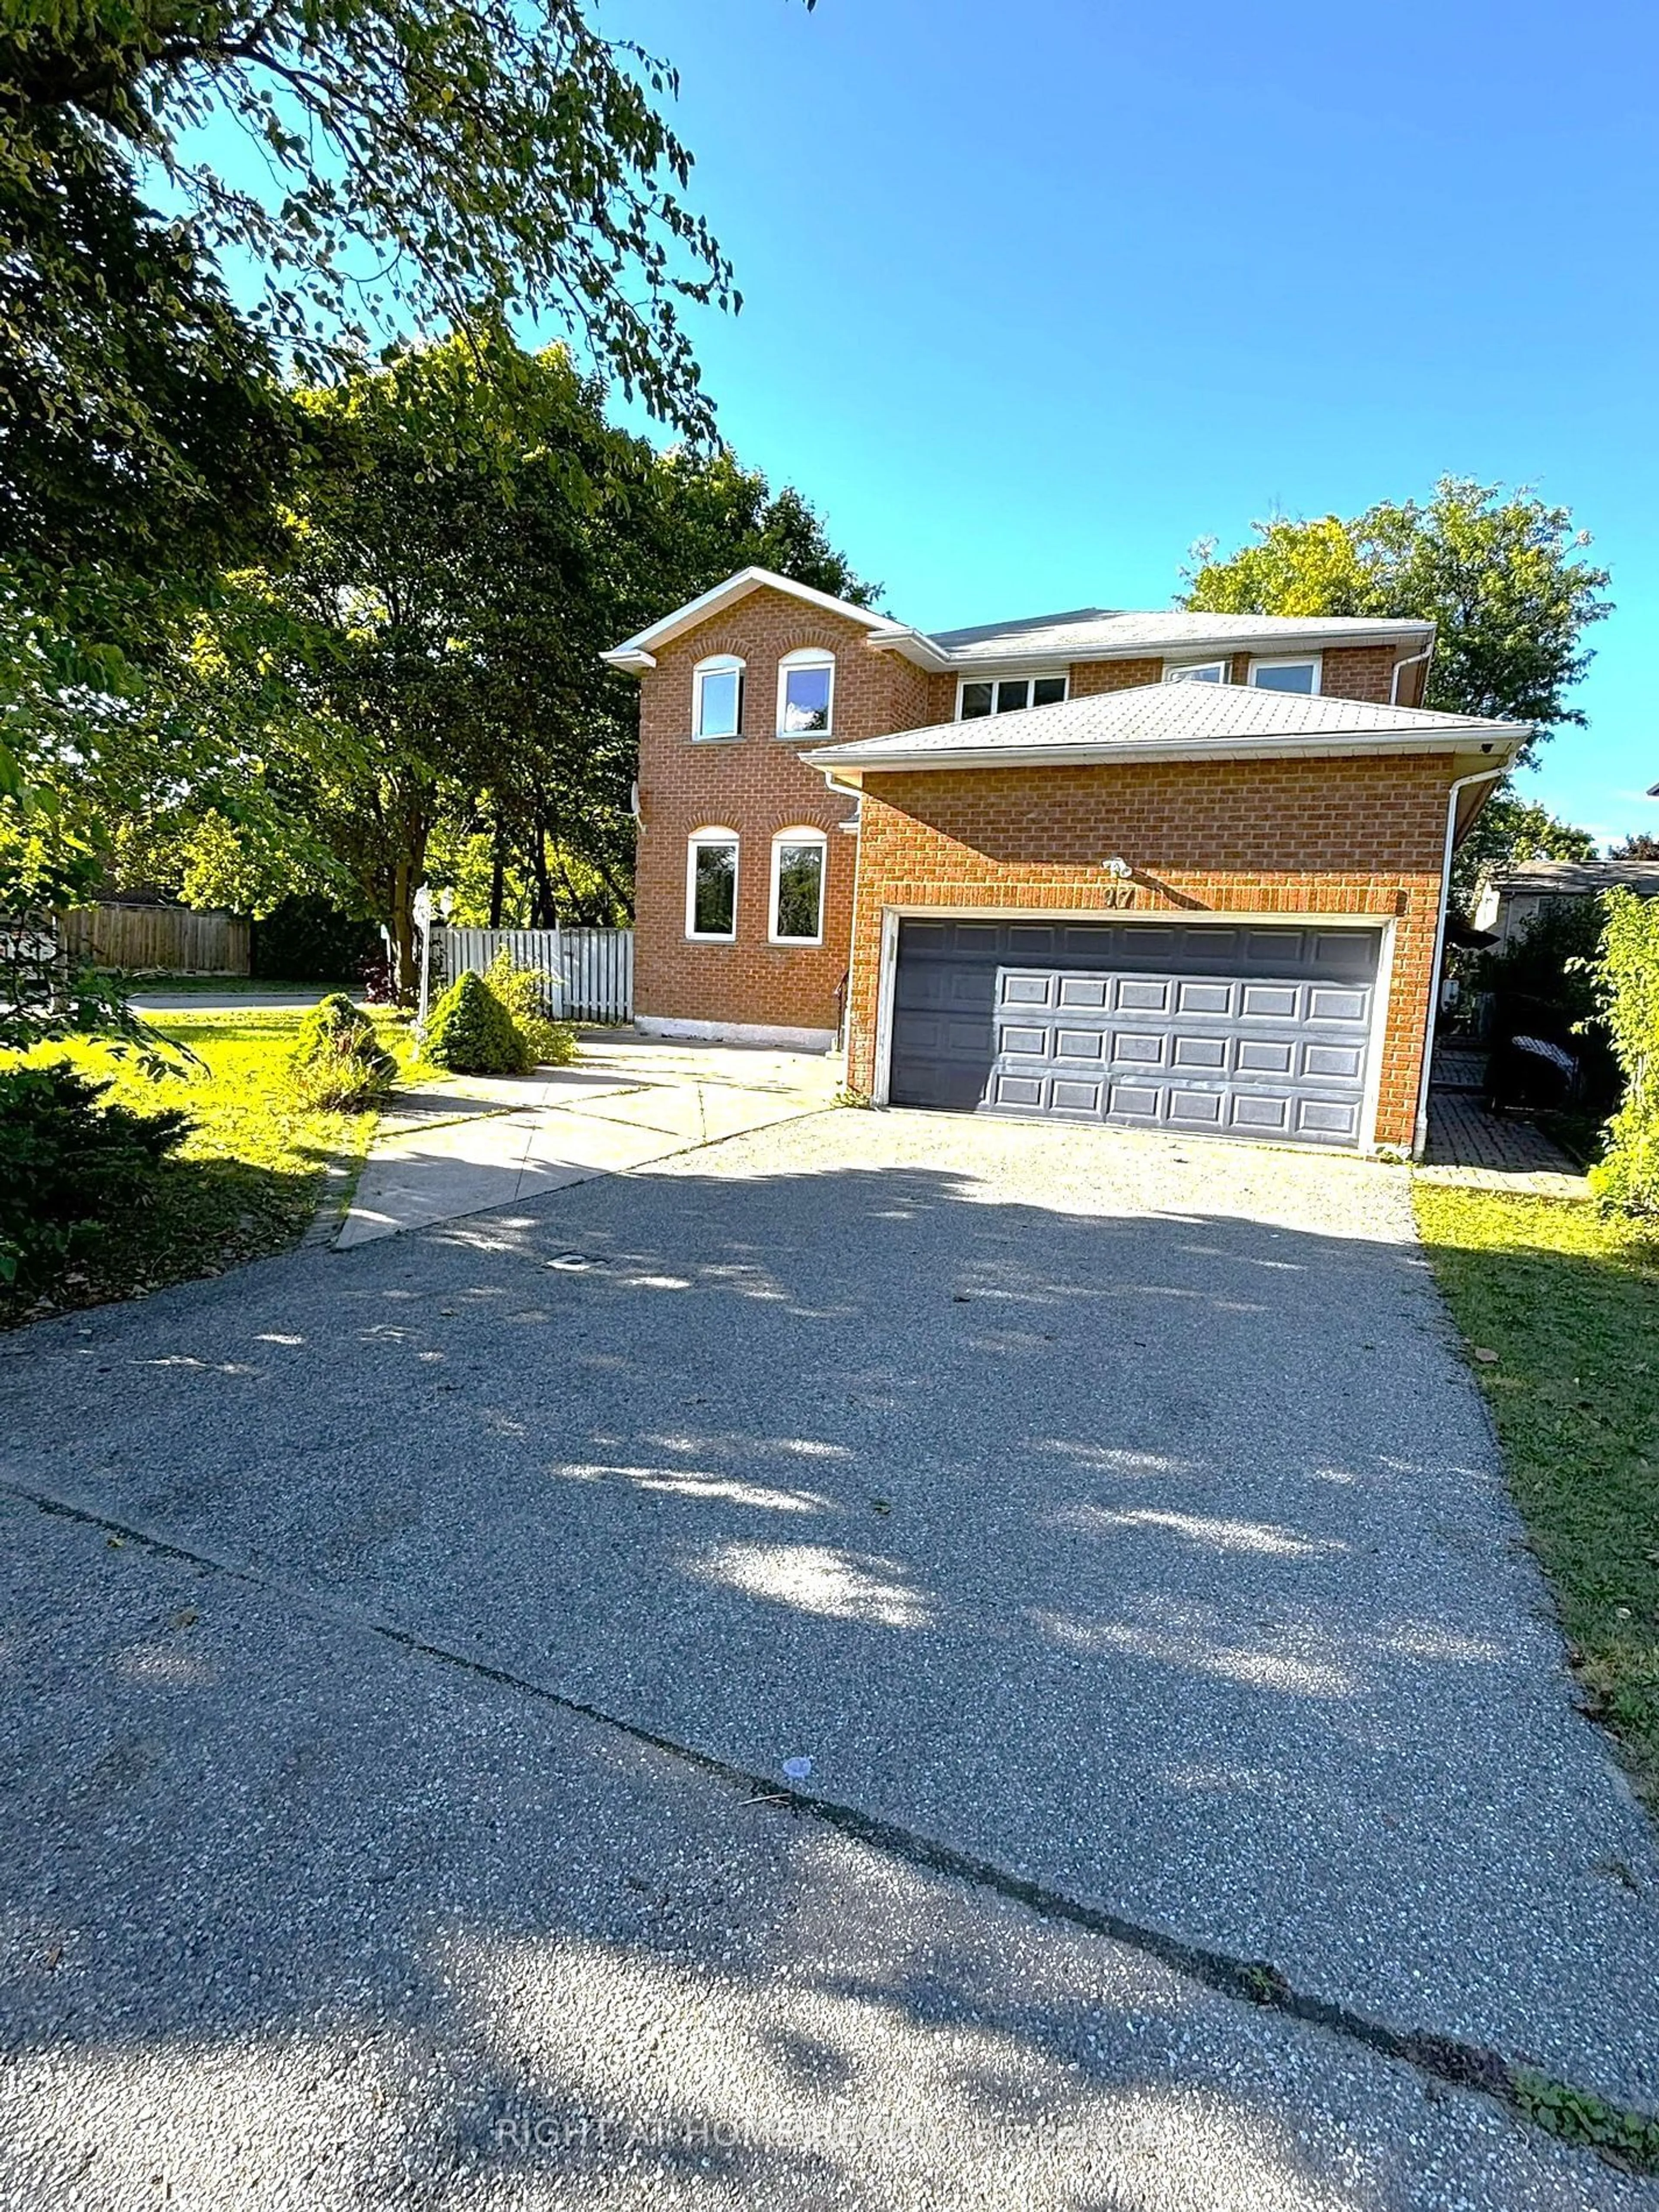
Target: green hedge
1628,1174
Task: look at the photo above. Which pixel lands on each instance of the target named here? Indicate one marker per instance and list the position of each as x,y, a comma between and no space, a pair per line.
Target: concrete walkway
470,1145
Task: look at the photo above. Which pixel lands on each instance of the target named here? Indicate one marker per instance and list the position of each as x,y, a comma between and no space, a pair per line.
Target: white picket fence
592,970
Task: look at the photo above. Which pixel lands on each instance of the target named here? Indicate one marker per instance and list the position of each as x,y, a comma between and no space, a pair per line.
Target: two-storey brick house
1181,870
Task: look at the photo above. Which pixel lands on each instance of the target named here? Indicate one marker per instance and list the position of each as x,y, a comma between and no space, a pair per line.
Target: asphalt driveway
1113,1526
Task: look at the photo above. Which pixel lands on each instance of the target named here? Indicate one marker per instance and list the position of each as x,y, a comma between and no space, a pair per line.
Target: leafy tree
710,516
419,165
1499,574
468,536
1641,845
427,166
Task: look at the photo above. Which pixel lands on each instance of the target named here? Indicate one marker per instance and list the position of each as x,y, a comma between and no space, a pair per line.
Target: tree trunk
547,911
403,931
498,874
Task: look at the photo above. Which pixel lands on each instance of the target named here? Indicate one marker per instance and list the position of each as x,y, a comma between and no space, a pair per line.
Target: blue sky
1036,295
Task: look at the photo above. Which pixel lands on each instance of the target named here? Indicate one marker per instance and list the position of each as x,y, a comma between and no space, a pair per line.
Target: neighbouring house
1173,870
1512,897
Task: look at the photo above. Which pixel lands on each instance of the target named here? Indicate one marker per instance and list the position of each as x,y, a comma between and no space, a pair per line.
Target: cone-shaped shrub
471,1032
338,1063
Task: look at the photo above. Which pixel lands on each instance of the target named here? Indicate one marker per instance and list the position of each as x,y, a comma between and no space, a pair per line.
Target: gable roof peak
638,652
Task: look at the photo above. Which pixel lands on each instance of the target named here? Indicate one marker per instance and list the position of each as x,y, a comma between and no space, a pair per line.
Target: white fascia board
635,652
848,772
916,645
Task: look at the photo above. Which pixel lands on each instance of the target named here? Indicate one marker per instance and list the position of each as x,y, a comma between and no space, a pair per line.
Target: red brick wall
1090,676
1359,671
1344,837
756,784
1349,672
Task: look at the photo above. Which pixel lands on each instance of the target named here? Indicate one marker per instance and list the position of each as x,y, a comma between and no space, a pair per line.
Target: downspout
1427,654
1420,1129
843,1044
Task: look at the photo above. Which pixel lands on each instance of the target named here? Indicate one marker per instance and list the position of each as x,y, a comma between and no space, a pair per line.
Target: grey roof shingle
1569,878
1183,719
1104,630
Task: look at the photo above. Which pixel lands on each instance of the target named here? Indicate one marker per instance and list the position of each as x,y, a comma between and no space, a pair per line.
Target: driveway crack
1627,2139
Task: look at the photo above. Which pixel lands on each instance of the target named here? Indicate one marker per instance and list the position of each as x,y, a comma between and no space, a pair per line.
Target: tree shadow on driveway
1157,1555
294,1915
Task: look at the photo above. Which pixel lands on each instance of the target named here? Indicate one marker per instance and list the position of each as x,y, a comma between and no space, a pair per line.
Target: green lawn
246,1183
1569,1300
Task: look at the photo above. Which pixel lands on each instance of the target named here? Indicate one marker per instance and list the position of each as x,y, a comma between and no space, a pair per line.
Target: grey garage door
1205,1029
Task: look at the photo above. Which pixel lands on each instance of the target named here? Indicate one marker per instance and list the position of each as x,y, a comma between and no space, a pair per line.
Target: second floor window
1284,674
1197,671
1007,695
806,687
717,696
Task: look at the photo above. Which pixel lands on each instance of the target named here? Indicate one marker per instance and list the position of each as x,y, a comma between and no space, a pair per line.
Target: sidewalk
469,1144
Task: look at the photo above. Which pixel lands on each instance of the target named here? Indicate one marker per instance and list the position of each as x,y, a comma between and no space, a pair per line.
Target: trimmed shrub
67,1162
338,1063
1627,1176
527,993
471,1032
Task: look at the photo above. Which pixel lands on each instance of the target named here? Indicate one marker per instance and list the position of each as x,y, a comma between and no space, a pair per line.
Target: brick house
1183,871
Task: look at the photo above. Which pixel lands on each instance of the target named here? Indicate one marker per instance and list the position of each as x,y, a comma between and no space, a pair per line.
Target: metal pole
422,914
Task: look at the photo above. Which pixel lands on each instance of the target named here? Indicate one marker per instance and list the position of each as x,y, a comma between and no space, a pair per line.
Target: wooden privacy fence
170,940
592,970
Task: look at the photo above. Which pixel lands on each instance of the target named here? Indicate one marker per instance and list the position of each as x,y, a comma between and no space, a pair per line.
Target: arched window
711,884
717,696
798,861
806,692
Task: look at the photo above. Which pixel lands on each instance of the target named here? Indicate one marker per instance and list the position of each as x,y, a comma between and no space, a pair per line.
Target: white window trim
805,833
1185,671
1314,660
1032,676
711,835
717,664
806,656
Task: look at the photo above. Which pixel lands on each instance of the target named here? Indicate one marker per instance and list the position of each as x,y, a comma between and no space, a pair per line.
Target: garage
1207,1028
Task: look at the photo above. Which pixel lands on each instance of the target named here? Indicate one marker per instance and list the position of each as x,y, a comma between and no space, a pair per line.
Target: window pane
806,700
800,891
1209,672
1013,695
717,702
976,700
1296,676
1047,690
714,905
